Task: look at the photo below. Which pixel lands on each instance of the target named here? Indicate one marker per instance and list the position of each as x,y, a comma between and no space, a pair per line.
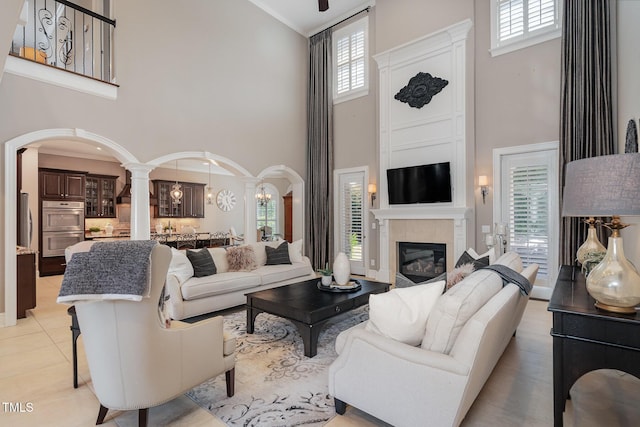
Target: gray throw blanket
509,275
110,270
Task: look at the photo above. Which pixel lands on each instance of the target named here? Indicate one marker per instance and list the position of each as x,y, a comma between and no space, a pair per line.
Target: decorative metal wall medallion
420,89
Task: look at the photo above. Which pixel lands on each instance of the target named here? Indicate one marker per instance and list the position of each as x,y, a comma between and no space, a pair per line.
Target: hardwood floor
35,368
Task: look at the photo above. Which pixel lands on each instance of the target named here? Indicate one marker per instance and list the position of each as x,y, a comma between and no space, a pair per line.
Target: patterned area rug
276,385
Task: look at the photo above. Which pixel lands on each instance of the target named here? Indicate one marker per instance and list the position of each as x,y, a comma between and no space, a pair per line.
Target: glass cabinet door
107,197
100,197
91,197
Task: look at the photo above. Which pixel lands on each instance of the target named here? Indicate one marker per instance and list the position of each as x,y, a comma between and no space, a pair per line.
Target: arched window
267,202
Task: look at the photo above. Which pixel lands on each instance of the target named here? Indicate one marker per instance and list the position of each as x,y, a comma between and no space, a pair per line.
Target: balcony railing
64,35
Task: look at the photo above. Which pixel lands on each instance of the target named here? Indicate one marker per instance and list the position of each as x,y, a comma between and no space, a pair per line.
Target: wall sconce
372,190
483,182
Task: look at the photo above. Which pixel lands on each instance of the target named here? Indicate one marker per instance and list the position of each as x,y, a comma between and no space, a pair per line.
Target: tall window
516,24
350,216
267,210
351,61
528,202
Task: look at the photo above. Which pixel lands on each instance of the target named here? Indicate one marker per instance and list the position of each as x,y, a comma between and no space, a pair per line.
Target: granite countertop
21,250
102,235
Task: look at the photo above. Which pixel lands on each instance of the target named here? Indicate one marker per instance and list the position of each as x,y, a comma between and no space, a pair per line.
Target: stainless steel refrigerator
25,222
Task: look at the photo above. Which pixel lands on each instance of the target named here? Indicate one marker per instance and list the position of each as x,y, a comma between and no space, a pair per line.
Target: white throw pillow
295,251
261,253
180,266
491,253
401,314
219,256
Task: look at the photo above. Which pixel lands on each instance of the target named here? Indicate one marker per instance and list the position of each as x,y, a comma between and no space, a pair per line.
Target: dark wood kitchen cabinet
62,185
191,205
26,278
100,196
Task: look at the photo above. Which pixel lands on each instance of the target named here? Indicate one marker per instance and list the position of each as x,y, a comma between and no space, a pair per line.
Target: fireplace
421,261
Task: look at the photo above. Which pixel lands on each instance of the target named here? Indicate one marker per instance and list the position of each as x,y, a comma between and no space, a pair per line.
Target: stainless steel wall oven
62,226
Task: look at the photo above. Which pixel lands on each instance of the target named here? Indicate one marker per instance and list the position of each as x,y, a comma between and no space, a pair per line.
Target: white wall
220,76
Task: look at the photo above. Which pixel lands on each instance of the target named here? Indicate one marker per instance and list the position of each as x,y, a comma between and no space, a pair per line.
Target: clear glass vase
591,245
615,283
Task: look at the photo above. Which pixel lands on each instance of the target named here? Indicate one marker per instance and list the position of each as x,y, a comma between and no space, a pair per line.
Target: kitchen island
174,240
192,240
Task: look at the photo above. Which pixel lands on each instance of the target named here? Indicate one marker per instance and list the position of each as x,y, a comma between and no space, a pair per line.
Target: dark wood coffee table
308,307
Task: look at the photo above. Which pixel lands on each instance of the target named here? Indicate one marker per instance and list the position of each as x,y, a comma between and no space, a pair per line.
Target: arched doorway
10,191
297,189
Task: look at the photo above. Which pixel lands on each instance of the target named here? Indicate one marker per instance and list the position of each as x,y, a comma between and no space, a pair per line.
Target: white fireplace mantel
436,132
431,212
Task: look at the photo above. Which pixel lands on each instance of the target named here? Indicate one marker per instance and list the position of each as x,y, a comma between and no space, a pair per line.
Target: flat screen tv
420,184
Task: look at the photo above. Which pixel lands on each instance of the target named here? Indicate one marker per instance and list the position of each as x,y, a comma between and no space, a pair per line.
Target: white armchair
136,363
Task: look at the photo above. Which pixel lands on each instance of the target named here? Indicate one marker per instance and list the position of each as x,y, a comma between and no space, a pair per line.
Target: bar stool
75,333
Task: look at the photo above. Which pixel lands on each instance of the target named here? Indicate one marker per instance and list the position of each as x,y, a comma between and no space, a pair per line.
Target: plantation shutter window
350,210
350,45
528,204
529,215
521,23
351,218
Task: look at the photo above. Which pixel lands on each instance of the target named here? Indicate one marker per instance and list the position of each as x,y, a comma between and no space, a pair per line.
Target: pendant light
176,191
209,190
263,197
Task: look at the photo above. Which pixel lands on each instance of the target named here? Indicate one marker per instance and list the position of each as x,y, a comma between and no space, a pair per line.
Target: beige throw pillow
241,258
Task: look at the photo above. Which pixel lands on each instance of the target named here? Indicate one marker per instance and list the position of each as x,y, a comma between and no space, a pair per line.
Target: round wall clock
226,200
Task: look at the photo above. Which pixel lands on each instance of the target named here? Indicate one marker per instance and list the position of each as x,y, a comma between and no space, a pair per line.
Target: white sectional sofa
191,296
433,383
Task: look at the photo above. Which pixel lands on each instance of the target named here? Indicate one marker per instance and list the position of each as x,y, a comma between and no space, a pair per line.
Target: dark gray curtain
586,110
319,188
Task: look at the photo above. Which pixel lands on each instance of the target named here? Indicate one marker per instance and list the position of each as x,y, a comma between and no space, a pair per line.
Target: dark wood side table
586,338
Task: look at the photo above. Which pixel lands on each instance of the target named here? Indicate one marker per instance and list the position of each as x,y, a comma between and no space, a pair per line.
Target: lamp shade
602,186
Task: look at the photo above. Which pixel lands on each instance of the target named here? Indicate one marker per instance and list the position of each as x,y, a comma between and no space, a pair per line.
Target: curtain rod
366,9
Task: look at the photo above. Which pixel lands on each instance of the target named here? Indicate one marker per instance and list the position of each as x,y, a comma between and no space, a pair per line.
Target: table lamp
607,186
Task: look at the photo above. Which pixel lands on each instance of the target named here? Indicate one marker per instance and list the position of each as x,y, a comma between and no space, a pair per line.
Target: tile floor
36,368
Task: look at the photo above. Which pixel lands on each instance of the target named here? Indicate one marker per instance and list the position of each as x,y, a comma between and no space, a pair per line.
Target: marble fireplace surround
421,225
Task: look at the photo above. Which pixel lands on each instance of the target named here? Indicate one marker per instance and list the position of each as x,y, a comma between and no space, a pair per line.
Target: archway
297,186
231,166
10,191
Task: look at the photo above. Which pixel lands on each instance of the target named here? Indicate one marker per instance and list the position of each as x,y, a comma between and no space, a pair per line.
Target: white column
384,274
250,223
298,211
140,218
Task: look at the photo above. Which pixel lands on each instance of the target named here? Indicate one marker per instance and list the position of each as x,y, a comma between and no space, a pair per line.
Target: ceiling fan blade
323,5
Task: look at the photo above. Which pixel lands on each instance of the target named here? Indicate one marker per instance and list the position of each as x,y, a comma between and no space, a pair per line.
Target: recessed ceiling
303,15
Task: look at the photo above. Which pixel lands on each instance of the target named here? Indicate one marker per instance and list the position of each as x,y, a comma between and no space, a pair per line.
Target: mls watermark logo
17,407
